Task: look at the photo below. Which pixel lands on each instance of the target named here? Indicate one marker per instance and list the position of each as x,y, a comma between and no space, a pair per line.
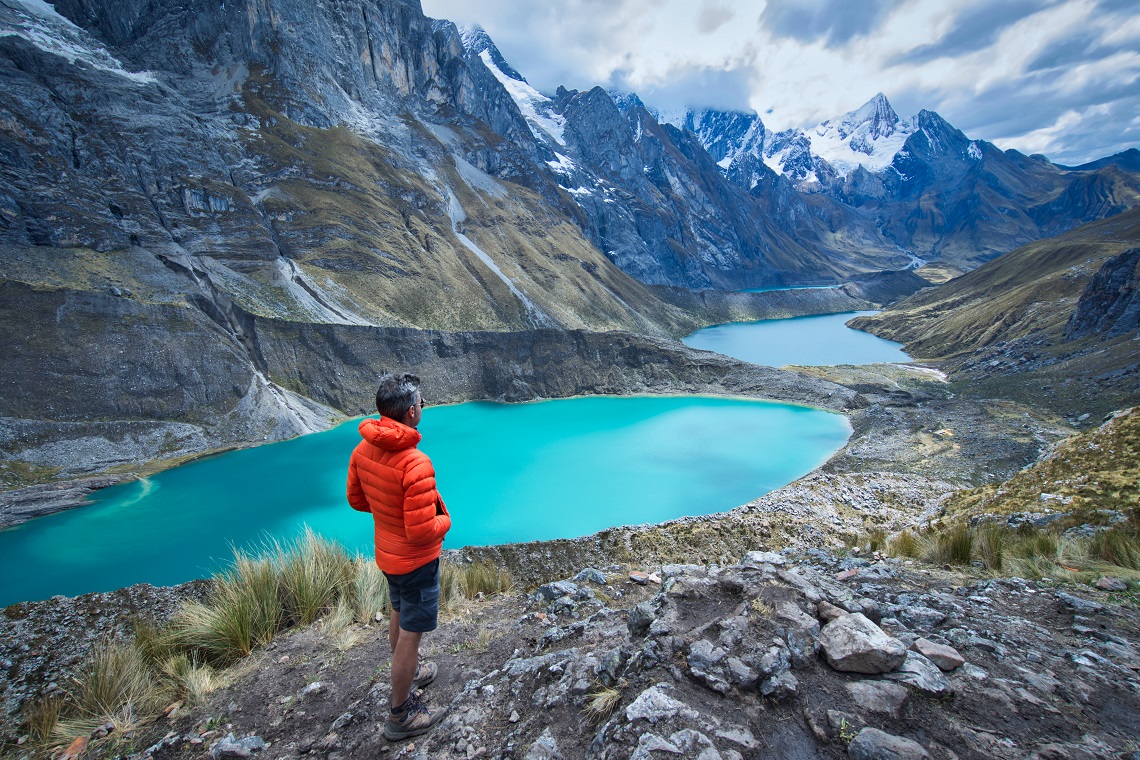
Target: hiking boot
413,719
425,674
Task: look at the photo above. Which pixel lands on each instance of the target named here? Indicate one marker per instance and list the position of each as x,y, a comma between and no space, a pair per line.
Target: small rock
826,611
592,575
639,577
754,559
1079,605
921,617
873,744
230,746
1108,583
514,716
655,705
740,673
780,687
847,574
922,674
551,591
76,749
544,748
316,687
945,657
341,722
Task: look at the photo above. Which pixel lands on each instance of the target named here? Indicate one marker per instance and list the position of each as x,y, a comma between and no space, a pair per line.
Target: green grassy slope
999,330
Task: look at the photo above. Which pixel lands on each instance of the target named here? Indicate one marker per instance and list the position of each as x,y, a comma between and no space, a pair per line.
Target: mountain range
183,184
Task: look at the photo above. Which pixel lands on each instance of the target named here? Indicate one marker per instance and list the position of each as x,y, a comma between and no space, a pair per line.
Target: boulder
826,611
873,744
592,575
1108,583
854,644
704,662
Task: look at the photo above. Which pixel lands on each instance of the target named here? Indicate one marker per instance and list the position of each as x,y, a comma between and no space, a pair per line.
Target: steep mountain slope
1055,320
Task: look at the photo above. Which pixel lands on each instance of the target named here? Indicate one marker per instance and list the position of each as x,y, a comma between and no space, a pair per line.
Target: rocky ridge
790,654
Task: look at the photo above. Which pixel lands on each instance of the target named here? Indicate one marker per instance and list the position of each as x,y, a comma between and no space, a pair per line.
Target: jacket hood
388,434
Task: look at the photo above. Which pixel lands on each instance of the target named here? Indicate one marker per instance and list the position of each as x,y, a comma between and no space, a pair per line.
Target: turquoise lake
819,340
508,472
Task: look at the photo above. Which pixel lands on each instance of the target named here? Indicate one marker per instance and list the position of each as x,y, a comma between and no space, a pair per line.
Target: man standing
394,481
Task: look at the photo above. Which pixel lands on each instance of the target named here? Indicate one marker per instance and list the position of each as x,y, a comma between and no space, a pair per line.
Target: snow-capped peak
545,123
476,40
869,136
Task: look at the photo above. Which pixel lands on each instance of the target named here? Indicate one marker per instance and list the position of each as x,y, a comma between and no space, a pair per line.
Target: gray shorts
415,596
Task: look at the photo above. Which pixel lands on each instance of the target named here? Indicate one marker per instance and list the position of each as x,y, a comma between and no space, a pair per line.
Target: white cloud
1008,72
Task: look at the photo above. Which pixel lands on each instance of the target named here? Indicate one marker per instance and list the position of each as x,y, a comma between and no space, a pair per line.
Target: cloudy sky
1059,77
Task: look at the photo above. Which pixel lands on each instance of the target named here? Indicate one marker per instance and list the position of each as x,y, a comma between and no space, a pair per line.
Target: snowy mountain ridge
870,136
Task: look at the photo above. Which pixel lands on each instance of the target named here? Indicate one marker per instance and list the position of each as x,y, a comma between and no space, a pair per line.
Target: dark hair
396,394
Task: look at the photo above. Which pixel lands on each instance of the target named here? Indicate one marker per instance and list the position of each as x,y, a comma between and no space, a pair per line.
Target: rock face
1110,304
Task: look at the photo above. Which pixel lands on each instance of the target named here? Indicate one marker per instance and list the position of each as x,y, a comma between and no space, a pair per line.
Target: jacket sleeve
356,498
422,524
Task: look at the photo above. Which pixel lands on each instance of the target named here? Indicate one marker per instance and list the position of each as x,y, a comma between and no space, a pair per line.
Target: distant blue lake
820,340
508,472
771,288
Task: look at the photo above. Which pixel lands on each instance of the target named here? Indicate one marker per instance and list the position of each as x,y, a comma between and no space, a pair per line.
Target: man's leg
393,629
405,658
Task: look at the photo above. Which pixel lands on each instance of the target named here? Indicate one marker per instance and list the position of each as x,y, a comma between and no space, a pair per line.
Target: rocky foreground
791,654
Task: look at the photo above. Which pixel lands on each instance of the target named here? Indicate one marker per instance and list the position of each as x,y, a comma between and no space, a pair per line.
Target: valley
219,223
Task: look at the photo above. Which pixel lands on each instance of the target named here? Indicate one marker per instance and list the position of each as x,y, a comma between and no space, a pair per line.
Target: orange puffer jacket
389,477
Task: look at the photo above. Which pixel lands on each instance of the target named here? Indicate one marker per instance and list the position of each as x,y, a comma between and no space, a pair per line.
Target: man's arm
356,498
426,520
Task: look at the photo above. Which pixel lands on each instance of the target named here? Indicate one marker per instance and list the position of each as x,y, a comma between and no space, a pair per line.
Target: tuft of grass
43,717
192,682
906,544
485,578
876,539
955,546
245,610
314,574
760,607
1033,545
338,625
990,545
1116,547
116,686
464,582
369,591
601,703
450,584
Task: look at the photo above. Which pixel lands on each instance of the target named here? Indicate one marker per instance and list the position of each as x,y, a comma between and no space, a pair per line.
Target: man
392,479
